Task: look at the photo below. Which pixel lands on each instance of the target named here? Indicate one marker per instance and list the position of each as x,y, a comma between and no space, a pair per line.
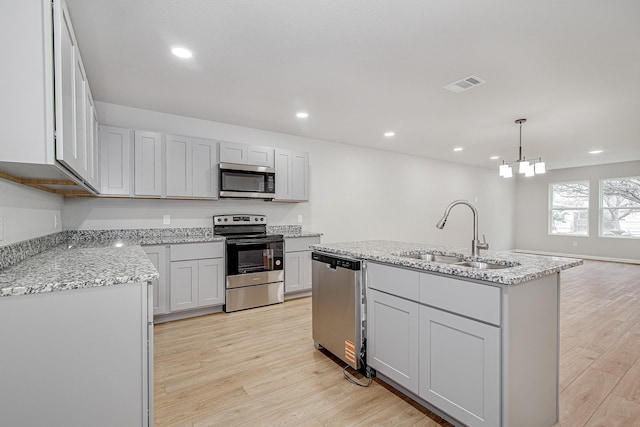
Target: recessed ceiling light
181,52
302,115
458,149
595,152
389,134
494,157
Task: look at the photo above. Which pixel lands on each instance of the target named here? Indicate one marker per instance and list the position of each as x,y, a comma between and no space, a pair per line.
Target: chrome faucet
475,243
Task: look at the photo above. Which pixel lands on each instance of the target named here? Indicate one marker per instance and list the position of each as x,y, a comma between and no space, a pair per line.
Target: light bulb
503,169
524,165
540,167
529,171
509,172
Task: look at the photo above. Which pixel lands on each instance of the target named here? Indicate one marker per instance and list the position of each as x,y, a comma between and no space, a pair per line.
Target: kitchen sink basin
447,259
482,265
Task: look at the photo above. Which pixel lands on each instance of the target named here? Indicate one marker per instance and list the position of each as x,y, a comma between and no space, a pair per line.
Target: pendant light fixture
524,166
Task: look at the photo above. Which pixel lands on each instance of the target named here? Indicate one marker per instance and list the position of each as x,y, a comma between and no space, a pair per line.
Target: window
569,208
620,207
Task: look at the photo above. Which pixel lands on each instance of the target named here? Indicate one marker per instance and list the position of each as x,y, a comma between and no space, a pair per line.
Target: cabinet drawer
296,244
469,299
188,251
393,280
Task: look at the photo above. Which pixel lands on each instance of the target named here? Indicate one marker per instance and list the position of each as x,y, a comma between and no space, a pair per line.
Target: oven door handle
252,242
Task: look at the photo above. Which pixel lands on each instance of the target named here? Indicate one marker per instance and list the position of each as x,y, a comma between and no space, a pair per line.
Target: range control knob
261,219
226,219
278,262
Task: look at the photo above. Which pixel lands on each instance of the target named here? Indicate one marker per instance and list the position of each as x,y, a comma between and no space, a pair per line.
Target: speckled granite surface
83,266
146,236
18,252
520,267
290,231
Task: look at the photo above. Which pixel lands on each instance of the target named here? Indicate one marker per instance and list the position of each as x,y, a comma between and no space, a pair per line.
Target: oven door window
243,181
253,258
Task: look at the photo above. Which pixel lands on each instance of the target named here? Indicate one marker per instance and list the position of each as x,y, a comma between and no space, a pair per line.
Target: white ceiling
363,67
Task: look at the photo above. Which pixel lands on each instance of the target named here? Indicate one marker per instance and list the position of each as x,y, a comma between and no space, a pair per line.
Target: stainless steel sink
447,259
482,265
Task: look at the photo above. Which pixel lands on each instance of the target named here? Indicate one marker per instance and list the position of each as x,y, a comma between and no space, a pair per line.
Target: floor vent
464,84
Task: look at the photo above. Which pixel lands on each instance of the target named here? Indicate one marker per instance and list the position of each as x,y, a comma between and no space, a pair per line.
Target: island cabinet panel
393,280
460,366
470,299
392,331
148,163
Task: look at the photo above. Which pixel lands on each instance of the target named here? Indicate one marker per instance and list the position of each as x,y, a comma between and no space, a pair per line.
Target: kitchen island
475,339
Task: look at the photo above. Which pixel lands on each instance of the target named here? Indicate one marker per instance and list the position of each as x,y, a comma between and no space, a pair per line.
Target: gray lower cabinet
392,338
460,366
80,357
486,355
297,263
197,275
158,254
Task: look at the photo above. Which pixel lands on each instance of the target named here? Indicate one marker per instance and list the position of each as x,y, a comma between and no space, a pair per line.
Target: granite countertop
521,267
82,265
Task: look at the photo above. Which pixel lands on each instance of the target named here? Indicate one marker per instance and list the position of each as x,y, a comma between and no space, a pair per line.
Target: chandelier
526,167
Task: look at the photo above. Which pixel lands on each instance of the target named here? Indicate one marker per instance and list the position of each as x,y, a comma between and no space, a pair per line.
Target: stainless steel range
255,261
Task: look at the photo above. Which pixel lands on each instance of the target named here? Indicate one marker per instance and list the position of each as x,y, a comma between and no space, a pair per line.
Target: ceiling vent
464,84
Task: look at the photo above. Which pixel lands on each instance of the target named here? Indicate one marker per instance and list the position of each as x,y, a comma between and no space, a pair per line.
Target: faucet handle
484,244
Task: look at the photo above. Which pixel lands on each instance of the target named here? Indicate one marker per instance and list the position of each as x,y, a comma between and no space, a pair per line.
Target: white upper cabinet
115,166
148,163
47,111
73,100
205,168
192,167
179,166
292,175
245,154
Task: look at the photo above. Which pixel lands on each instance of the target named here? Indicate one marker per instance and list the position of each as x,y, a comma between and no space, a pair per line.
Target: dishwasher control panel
334,262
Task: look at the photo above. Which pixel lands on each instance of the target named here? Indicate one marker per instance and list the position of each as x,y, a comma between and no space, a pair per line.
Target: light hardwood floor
259,367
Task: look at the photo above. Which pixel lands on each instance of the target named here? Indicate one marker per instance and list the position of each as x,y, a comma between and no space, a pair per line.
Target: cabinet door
115,161
147,163
79,150
283,174
91,141
293,268
205,168
299,176
460,366
179,166
184,285
260,156
158,257
306,269
211,282
392,338
65,86
233,152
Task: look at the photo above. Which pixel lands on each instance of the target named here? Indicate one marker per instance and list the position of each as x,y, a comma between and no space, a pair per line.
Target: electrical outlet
1,227
575,244
55,221
166,219
299,219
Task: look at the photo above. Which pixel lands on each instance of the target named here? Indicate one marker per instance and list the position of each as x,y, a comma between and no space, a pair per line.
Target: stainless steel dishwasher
337,306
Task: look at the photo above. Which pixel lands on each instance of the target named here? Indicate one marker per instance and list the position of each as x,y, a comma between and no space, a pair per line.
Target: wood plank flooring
259,367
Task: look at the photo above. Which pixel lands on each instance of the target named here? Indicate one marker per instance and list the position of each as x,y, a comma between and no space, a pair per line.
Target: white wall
532,214
27,213
356,193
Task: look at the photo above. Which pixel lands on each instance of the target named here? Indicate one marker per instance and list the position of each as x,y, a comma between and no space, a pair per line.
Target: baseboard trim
589,257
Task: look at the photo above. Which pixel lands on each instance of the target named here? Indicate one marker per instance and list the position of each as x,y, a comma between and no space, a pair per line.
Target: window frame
601,209
551,209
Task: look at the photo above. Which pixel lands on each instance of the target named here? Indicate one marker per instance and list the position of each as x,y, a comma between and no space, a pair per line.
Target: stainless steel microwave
247,181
